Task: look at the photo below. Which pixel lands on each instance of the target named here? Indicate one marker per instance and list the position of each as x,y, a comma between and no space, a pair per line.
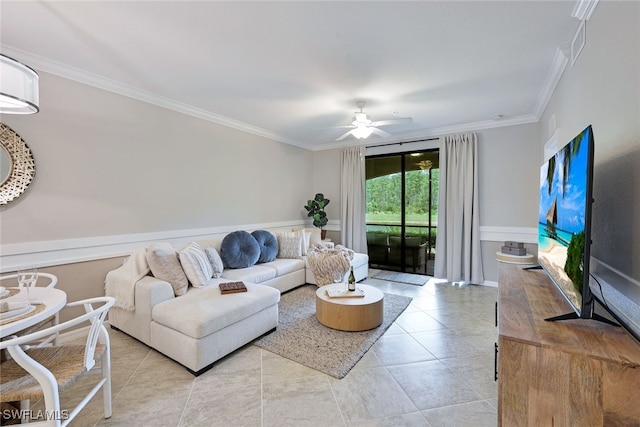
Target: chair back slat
44,333
53,279
96,330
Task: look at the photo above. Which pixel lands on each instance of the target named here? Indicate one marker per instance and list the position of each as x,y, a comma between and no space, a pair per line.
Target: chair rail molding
69,251
502,234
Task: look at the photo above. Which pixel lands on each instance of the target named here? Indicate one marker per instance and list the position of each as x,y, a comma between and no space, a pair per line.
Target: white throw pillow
310,235
304,243
165,265
215,260
316,235
196,265
290,244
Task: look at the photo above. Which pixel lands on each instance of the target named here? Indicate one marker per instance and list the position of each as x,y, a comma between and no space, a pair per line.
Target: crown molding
44,64
90,79
584,9
558,66
484,124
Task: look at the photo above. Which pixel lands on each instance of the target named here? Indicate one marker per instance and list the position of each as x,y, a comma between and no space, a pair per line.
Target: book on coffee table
232,287
344,293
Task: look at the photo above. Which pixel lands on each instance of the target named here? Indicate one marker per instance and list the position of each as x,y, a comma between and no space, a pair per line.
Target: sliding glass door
402,210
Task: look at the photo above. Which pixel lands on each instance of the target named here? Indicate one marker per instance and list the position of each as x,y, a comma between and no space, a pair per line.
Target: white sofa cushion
312,235
253,274
203,311
304,244
196,265
285,265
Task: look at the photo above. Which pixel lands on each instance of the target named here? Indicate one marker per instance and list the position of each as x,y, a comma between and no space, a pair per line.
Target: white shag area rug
301,338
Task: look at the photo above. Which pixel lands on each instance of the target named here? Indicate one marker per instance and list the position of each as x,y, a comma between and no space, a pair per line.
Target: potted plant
315,209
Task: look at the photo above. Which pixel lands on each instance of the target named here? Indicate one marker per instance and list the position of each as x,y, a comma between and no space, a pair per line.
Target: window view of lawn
384,216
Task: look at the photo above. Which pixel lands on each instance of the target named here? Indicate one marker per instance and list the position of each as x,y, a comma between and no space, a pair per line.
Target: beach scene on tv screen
561,219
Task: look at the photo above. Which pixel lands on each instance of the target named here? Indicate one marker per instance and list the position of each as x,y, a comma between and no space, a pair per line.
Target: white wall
112,171
326,180
111,165
603,89
509,169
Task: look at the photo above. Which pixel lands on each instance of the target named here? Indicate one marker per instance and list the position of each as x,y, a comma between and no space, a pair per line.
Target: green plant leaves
315,209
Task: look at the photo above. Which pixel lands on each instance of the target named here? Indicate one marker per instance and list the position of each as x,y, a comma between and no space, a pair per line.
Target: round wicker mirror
17,166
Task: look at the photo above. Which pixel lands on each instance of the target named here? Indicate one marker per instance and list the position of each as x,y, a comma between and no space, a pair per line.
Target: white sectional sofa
201,326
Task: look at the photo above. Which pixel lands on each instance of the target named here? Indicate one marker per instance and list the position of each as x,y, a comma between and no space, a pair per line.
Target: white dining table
53,299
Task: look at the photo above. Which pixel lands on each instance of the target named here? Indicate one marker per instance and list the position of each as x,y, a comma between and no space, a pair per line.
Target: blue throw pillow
239,249
268,245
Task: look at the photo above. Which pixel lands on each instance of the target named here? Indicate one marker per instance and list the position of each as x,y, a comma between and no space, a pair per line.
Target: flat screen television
564,222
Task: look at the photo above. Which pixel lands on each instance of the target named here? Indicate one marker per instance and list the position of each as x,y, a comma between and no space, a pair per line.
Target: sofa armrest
151,291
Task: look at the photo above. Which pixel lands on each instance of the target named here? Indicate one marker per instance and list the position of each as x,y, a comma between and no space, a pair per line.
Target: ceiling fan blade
344,136
392,121
379,132
344,127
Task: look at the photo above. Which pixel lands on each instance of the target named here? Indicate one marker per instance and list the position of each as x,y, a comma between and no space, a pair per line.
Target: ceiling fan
362,127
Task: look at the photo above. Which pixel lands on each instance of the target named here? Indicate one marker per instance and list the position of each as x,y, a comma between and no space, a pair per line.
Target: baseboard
490,283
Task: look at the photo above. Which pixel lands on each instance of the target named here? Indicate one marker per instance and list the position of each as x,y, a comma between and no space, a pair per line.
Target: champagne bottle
352,280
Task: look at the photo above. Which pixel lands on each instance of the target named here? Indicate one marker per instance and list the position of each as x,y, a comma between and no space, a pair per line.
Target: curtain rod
403,142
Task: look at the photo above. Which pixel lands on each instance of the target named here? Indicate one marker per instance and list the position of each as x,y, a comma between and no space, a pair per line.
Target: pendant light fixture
18,87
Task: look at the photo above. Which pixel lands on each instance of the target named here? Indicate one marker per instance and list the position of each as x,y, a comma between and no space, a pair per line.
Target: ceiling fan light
361,120
18,87
362,132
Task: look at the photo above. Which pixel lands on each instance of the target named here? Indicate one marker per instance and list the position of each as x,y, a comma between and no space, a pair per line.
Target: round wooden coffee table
350,313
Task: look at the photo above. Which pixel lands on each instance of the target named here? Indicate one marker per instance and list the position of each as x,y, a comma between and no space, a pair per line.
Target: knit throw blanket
324,261
120,283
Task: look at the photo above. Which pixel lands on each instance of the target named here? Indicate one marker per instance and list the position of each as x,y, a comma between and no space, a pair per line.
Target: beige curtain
458,252
353,199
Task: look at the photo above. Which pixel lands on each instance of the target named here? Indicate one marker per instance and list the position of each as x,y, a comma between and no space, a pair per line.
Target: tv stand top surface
527,298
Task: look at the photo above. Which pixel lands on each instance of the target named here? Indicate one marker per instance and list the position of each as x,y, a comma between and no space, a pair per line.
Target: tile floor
432,367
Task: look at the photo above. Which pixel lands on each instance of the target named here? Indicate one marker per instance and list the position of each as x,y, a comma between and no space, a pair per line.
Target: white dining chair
53,279
12,280
43,372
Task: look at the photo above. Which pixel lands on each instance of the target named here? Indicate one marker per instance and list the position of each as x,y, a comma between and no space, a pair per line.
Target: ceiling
293,71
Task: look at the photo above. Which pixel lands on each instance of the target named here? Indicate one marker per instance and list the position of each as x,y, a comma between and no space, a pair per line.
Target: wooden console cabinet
566,373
